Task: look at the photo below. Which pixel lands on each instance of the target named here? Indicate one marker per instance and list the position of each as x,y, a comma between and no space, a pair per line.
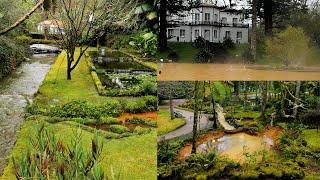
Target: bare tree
82,22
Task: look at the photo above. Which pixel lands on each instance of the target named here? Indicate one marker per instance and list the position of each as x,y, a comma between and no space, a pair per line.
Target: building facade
213,23
51,26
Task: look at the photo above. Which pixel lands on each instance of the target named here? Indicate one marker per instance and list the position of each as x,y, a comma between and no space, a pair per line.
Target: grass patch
186,52
313,138
166,125
124,156
56,87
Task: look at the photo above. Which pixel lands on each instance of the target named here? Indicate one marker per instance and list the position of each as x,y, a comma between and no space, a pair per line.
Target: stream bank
15,92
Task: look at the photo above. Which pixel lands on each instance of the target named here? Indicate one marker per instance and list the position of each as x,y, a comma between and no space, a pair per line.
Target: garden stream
225,72
15,92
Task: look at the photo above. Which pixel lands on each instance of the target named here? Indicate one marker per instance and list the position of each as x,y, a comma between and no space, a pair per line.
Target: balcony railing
212,23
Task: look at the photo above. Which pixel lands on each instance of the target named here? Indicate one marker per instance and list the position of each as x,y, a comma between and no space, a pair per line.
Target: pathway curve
14,92
222,119
186,129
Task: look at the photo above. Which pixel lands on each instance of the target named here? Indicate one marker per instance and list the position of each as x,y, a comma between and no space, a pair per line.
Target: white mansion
213,23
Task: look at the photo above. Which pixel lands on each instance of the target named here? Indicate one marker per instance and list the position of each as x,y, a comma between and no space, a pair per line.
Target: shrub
136,106
140,130
11,54
137,120
108,120
228,43
118,129
24,39
151,103
173,55
81,109
290,46
312,118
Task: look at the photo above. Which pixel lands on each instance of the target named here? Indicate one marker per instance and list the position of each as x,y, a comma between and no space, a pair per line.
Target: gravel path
186,129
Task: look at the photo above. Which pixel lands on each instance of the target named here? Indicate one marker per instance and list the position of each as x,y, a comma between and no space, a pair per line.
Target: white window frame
196,33
182,33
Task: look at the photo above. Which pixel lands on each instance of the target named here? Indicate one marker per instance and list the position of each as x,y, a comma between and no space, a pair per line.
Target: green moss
166,124
312,136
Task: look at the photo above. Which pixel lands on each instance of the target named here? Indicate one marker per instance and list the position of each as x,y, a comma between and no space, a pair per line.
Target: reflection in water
234,146
189,71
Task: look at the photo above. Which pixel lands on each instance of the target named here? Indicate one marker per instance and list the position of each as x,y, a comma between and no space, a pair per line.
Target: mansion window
224,20
227,35
182,33
207,17
197,17
235,20
207,35
239,35
170,32
196,33
215,34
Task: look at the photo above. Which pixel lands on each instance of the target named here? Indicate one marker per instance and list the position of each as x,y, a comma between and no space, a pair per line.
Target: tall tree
264,99
196,108
253,44
171,7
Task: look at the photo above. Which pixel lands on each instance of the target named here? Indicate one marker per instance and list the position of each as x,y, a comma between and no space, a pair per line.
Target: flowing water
15,92
227,72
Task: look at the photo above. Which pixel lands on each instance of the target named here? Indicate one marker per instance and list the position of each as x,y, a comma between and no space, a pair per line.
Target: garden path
222,119
15,91
187,128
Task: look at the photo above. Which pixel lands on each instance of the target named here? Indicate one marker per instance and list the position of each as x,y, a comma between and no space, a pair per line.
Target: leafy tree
289,46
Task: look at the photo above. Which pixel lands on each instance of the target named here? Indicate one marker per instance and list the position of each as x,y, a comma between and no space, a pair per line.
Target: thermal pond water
225,72
233,146
15,91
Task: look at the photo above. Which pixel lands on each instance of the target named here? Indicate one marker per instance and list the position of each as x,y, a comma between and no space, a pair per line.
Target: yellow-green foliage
98,83
312,136
290,46
165,124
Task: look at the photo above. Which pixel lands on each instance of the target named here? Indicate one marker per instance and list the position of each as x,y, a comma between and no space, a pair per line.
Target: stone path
222,119
14,92
186,129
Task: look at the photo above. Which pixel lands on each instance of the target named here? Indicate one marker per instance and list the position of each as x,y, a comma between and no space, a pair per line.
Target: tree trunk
254,31
245,93
237,88
215,124
195,117
69,70
296,101
268,20
22,19
162,38
171,105
264,99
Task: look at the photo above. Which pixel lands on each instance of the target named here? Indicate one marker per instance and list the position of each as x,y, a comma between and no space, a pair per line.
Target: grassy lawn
131,157
186,52
165,124
313,138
